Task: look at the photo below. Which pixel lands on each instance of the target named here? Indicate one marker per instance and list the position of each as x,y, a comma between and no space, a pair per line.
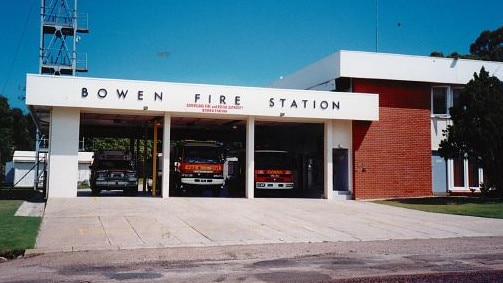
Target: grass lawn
472,206
17,233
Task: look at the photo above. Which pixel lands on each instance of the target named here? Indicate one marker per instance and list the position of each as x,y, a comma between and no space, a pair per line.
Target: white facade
306,96
371,65
71,96
24,167
448,73
93,93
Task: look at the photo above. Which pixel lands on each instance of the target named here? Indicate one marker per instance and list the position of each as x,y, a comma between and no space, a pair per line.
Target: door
439,174
340,169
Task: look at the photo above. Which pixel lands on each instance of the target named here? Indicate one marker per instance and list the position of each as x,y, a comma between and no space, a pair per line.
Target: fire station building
362,125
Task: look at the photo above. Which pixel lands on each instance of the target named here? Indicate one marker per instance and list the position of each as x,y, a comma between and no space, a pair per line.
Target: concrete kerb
31,209
117,223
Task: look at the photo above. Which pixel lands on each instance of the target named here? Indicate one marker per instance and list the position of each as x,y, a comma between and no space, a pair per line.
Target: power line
16,52
377,25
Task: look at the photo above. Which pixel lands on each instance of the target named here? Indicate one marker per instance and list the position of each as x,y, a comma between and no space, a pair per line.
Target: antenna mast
59,31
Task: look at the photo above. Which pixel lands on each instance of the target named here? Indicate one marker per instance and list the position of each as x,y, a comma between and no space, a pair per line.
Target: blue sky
237,42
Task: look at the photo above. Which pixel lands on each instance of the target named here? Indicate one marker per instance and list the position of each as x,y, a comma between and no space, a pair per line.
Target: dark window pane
473,174
273,160
439,100
455,96
459,172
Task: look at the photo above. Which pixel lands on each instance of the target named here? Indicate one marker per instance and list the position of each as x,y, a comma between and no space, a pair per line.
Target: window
439,100
444,97
466,173
455,96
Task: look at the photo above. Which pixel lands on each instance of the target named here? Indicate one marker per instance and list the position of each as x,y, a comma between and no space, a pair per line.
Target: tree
6,141
477,130
23,133
98,144
17,132
436,54
489,45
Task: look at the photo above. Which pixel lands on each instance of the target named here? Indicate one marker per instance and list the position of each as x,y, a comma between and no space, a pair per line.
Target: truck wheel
179,190
291,193
131,191
216,192
95,191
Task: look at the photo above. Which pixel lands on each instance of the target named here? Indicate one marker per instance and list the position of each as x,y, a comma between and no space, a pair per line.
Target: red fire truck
198,165
274,170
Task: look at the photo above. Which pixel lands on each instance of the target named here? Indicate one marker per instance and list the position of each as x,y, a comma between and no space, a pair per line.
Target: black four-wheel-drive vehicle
113,170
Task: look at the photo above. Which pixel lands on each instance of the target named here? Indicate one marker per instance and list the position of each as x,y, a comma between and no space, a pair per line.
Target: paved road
457,260
115,223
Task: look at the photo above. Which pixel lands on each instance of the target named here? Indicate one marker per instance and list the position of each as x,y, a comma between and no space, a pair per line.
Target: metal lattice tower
60,26
59,33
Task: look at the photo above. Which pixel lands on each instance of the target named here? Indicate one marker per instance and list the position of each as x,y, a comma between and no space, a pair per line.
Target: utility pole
377,26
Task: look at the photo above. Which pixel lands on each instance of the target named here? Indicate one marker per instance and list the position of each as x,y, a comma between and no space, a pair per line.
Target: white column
165,155
450,174
63,173
250,157
466,174
328,183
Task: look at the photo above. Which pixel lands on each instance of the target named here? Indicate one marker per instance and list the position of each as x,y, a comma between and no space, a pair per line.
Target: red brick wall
392,157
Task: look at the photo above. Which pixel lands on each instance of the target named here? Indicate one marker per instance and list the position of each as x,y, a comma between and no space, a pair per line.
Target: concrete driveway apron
97,223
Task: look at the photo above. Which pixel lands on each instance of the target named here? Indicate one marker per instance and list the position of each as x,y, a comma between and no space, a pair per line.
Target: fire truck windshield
201,154
270,159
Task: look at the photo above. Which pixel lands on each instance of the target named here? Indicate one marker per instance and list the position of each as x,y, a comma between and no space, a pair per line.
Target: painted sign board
101,93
